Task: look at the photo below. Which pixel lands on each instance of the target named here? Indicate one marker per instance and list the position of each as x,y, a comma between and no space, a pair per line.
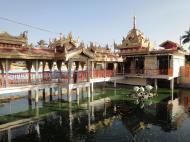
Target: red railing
82,76
98,73
168,72
25,78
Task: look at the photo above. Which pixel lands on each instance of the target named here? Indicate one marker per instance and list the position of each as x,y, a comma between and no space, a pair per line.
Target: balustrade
25,78
149,72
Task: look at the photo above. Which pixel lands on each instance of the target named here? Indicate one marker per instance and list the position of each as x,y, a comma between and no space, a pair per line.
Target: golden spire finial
134,22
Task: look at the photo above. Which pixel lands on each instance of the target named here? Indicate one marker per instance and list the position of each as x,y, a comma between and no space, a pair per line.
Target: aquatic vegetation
142,94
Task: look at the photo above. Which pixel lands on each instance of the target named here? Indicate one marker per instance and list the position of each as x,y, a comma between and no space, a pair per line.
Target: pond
111,117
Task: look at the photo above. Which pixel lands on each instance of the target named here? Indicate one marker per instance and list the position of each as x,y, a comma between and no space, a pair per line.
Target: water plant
142,94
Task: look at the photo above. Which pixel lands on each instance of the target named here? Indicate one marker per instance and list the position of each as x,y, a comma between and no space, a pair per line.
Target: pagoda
135,41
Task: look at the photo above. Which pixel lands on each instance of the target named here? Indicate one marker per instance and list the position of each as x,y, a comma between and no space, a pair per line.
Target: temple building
146,64
64,64
137,62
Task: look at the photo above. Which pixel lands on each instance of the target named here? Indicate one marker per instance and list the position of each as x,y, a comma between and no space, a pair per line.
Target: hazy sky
101,21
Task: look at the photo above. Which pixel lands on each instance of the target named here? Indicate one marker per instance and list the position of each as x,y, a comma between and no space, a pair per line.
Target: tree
186,37
42,43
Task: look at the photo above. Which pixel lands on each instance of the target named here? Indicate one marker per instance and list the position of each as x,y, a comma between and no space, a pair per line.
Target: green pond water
112,116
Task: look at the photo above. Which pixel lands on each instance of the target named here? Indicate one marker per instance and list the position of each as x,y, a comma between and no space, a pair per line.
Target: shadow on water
111,117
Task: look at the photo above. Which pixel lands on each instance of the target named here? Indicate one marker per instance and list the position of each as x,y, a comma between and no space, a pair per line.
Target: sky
100,21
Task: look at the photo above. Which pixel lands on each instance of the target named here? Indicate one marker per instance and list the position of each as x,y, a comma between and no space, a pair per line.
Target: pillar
105,109
59,65
43,70
37,110
50,65
156,84
92,83
2,72
172,84
50,94
88,70
38,129
69,96
104,69
76,79
36,95
123,68
69,81
30,98
115,83
172,87
89,116
92,69
70,121
92,91
82,93
36,67
9,135
92,112
59,93
88,93
29,67
115,71
78,95
6,68
44,94
104,74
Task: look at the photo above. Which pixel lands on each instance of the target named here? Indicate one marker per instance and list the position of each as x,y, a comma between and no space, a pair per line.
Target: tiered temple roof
135,40
7,40
59,49
137,44
103,53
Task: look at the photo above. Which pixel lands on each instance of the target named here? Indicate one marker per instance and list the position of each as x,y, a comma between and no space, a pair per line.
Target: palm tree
42,43
186,37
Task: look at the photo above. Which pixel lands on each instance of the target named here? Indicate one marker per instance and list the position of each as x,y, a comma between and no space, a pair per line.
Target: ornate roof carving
20,40
64,42
104,53
135,39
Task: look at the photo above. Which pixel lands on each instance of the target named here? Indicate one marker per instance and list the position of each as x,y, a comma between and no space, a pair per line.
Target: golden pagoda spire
134,22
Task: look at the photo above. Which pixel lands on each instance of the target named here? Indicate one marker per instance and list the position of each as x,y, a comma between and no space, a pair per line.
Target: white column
104,69
7,67
70,121
88,70
37,110
115,69
172,87
156,84
92,92
89,116
36,66
69,97
50,94
38,129
36,95
92,83
30,98
44,94
123,68
88,93
78,96
9,136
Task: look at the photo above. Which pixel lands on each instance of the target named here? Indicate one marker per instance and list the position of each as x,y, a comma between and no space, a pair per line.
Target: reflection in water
109,120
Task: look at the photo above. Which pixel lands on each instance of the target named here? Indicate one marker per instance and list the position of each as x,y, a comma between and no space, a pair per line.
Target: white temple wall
176,62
